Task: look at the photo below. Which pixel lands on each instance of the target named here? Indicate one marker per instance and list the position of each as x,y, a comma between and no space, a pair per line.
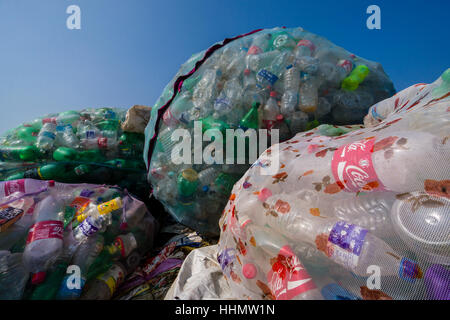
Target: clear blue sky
127,50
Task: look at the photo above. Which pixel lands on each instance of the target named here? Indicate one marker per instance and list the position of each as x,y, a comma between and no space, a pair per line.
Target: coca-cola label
14,186
269,76
288,278
345,243
347,65
51,229
308,44
353,168
49,120
102,142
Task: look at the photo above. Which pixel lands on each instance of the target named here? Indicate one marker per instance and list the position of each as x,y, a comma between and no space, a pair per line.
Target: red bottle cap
246,72
38,278
51,183
273,93
280,117
249,270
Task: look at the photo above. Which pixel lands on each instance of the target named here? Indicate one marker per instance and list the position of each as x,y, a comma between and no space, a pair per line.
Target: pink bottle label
254,50
308,44
46,230
14,186
353,168
288,278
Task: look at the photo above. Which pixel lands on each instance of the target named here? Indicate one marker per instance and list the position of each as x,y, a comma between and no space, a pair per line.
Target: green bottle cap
251,119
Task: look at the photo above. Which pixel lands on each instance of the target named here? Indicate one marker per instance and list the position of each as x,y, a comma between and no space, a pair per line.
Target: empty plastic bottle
355,78
289,101
268,75
46,137
104,286
304,48
20,228
88,134
13,276
206,88
45,238
95,211
308,97
206,177
271,111
66,137
24,153
229,97
251,119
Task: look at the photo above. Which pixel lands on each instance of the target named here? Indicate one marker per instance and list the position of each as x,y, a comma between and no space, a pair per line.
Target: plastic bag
285,79
76,146
363,215
59,227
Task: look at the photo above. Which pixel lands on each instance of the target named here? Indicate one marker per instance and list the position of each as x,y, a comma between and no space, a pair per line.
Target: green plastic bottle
23,153
27,134
68,117
225,182
65,154
444,88
355,78
187,182
53,171
15,176
91,156
251,119
49,288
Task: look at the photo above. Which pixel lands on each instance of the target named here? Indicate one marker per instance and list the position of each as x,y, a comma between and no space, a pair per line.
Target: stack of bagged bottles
69,241
288,80
75,146
362,215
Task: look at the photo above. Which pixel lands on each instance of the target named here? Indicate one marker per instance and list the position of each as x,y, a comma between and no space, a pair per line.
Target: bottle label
409,270
80,204
8,216
269,76
49,120
103,143
347,65
345,243
254,50
87,227
288,278
308,44
14,186
90,134
223,101
353,168
113,277
48,134
51,229
109,206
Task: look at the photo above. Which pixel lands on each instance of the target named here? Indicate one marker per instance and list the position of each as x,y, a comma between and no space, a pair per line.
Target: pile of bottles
75,146
69,241
362,215
288,80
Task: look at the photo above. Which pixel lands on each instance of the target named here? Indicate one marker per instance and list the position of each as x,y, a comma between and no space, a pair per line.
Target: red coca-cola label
346,64
49,120
14,186
288,278
353,168
102,142
46,230
254,50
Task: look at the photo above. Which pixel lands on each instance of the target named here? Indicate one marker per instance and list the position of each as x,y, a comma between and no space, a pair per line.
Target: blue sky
127,50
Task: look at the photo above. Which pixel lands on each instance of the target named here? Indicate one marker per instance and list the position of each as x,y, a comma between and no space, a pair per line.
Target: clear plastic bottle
21,187
269,74
45,238
300,286
104,286
88,134
270,111
289,101
206,177
66,137
229,97
304,48
309,97
13,276
206,88
46,137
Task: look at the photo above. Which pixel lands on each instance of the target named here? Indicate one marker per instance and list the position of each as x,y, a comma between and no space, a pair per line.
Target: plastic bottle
65,154
304,48
289,101
268,75
124,244
46,137
95,211
13,276
323,108
45,238
22,186
66,137
187,182
88,134
206,88
83,258
308,97
228,97
27,134
19,229
54,171
179,110
298,122
259,45
270,111
206,177
355,78
21,153
276,246
251,119
104,286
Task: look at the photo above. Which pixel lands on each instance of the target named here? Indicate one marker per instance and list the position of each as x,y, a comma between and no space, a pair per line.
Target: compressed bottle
27,134
187,183
308,97
251,119
65,154
21,153
355,78
259,45
206,177
268,75
304,48
289,101
298,285
179,110
13,276
88,134
282,41
124,244
46,137
45,238
68,118
54,171
270,111
104,286
66,137
206,88
84,257
228,97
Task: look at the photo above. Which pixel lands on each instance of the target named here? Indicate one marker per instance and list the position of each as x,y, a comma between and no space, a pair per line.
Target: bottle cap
249,270
38,278
280,117
273,93
51,183
246,72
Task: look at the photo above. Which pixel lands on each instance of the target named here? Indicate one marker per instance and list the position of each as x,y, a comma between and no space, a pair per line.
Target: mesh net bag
75,146
362,215
285,79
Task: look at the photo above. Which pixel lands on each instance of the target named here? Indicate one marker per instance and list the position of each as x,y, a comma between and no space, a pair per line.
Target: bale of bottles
362,215
73,147
281,80
69,241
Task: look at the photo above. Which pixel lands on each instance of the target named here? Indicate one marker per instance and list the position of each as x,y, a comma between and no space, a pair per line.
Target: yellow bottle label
109,206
